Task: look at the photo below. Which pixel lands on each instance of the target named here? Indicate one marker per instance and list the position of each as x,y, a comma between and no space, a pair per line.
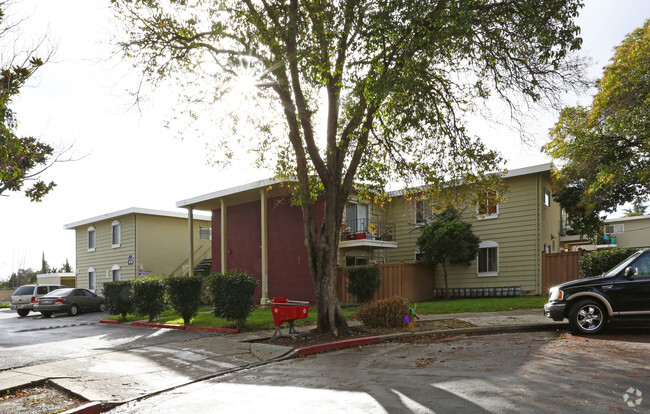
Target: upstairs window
614,228
117,234
91,239
488,206
547,197
356,217
205,233
423,212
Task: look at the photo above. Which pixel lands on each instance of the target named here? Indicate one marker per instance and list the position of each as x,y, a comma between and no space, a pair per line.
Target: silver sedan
69,300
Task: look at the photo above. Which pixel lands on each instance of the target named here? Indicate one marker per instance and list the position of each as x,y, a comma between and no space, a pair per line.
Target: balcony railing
367,229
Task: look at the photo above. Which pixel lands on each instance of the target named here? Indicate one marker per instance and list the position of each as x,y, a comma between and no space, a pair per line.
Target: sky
126,156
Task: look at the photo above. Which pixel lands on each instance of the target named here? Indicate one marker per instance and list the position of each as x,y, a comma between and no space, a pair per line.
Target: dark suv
621,294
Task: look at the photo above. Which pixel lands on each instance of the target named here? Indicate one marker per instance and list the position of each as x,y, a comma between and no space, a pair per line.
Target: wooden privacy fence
409,280
560,267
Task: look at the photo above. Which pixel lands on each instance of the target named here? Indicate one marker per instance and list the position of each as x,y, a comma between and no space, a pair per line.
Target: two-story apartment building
259,231
136,242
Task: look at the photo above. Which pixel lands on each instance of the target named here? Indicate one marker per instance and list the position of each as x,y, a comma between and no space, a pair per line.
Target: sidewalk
113,377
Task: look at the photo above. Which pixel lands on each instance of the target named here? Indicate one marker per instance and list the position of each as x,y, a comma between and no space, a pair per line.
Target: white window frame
479,215
114,269
615,228
488,245
547,197
116,230
423,208
92,236
92,276
203,229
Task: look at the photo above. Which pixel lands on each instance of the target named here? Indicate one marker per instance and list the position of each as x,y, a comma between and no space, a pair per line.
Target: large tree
605,148
22,159
366,92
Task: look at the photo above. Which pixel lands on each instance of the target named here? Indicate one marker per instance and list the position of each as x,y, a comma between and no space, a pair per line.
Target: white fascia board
134,210
620,219
229,191
533,169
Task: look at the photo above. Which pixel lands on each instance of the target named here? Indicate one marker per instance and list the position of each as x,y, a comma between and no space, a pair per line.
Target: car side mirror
629,272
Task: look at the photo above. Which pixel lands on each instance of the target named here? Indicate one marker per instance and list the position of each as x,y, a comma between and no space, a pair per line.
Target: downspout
538,232
224,266
190,221
264,246
135,242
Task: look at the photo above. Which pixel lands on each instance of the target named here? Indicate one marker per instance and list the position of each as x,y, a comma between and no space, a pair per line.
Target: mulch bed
39,399
313,338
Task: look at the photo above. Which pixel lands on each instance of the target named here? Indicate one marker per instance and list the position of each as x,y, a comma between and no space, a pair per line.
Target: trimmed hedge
184,294
232,293
384,313
363,282
149,296
596,263
119,297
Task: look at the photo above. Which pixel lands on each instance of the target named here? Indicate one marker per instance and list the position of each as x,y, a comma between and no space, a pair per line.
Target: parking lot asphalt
127,363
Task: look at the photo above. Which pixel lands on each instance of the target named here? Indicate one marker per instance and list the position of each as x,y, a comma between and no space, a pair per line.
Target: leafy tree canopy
353,91
605,148
22,159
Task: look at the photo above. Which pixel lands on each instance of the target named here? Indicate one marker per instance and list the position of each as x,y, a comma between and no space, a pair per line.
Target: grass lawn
261,319
4,305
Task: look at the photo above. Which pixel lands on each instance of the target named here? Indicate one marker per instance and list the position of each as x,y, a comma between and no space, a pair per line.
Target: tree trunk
322,248
444,272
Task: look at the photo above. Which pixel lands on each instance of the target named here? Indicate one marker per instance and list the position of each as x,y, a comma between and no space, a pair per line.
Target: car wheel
46,314
74,310
23,312
102,307
588,317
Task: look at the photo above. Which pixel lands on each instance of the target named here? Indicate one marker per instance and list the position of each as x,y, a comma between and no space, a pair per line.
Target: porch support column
224,250
265,258
190,226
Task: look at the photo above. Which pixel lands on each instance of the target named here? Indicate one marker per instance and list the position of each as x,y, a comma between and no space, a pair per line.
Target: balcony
367,233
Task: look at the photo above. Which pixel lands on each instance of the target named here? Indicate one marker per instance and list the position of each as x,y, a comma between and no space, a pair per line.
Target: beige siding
105,255
636,231
521,229
163,243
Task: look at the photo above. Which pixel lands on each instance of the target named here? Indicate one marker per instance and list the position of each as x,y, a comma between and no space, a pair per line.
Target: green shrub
232,293
149,296
384,313
596,263
184,294
363,282
119,297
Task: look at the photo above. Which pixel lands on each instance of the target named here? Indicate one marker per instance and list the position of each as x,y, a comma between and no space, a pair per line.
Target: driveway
552,372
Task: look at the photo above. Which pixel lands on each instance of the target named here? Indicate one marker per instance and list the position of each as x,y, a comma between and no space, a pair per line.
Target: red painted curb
108,321
331,346
94,407
200,328
191,328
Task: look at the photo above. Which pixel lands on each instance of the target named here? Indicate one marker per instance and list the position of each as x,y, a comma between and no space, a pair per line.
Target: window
614,228
423,212
356,260
92,278
91,239
488,207
117,234
205,233
547,197
488,259
117,273
356,216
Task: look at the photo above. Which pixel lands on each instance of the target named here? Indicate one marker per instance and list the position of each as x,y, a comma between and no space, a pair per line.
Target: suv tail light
33,299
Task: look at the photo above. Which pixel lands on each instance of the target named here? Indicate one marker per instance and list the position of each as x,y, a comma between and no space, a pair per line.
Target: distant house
136,242
64,279
257,229
628,231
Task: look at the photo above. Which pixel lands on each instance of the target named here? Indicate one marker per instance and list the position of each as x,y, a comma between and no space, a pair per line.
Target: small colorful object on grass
411,318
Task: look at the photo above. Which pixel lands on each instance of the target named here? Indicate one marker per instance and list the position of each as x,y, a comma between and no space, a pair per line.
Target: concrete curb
485,330
94,407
